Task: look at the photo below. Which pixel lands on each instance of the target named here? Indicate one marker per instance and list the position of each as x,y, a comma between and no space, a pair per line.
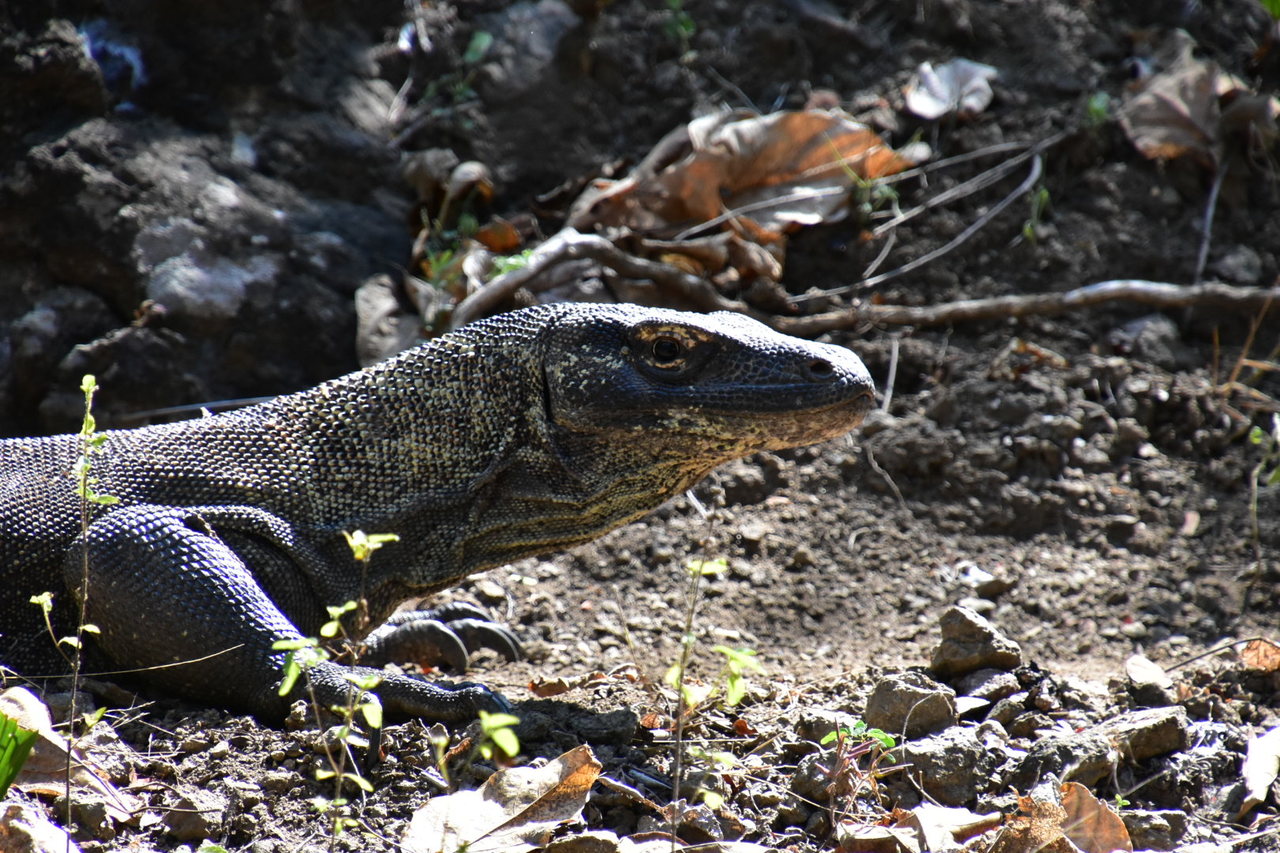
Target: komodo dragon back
519,435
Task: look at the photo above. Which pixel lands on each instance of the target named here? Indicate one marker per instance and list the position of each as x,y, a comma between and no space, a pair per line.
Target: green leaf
713,800
491,722
706,568
479,45
290,677
15,746
371,710
1272,7
292,645
330,629
506,740
363,544
44,601
359,781
735,689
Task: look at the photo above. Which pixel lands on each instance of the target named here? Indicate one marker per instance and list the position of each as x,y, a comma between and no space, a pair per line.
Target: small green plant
363,545
1039,204
729,687
497,736
503,264
304,654
680,25
1272,7
1097,110
15,746
847,776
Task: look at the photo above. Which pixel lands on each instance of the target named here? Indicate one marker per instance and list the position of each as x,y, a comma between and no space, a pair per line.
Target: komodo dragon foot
445,634
171,597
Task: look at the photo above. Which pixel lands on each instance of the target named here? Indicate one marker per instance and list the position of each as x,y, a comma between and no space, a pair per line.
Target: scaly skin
516,436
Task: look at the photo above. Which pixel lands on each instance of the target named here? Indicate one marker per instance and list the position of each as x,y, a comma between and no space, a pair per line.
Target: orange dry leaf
769,172
1261,655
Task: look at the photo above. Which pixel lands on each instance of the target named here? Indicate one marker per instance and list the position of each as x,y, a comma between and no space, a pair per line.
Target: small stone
812,779
910,703
877,422
947,765
1147,733
489,591
990,684
196,816
1154,830
1134,630
1084,757
816,723
24,828
970,642
1149,685
1240,265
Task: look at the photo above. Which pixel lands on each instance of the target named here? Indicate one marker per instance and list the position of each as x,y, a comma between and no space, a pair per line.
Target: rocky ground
1016,569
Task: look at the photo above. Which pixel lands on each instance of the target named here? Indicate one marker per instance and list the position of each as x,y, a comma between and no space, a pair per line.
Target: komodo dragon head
638,404
710,387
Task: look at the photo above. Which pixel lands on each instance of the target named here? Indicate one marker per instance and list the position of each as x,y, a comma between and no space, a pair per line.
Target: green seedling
1097,110
497,735
1039,205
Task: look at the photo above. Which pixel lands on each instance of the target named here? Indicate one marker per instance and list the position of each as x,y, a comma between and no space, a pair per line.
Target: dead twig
1206,236
1160,295
1037,166
571,245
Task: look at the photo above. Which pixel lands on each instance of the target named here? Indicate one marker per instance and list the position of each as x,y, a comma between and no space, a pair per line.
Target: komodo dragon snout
723,385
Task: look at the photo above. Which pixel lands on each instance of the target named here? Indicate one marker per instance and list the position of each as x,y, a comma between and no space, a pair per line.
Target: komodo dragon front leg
165,572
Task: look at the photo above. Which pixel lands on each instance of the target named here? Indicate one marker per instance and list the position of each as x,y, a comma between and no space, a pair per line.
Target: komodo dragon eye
666,350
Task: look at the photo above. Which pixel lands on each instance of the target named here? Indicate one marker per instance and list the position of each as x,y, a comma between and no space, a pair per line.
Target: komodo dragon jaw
522,434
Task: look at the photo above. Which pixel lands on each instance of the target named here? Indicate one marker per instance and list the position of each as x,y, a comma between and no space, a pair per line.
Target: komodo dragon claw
445,634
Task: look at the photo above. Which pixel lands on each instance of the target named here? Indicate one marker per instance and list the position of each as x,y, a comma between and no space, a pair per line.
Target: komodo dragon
519,435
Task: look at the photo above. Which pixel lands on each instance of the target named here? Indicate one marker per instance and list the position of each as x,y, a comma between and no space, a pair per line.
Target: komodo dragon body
515,436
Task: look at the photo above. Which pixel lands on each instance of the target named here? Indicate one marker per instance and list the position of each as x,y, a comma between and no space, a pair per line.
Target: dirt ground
1086,492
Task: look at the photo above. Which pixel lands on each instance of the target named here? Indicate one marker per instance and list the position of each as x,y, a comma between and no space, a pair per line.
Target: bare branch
1156,294
571,245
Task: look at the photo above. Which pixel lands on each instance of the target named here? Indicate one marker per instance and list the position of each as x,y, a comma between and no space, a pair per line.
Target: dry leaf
515,810
1261,765
873,838
43,772
940,827
1261,655
545,688
1191,108
773,172
1091,824
1176,114
1037,830
959,86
